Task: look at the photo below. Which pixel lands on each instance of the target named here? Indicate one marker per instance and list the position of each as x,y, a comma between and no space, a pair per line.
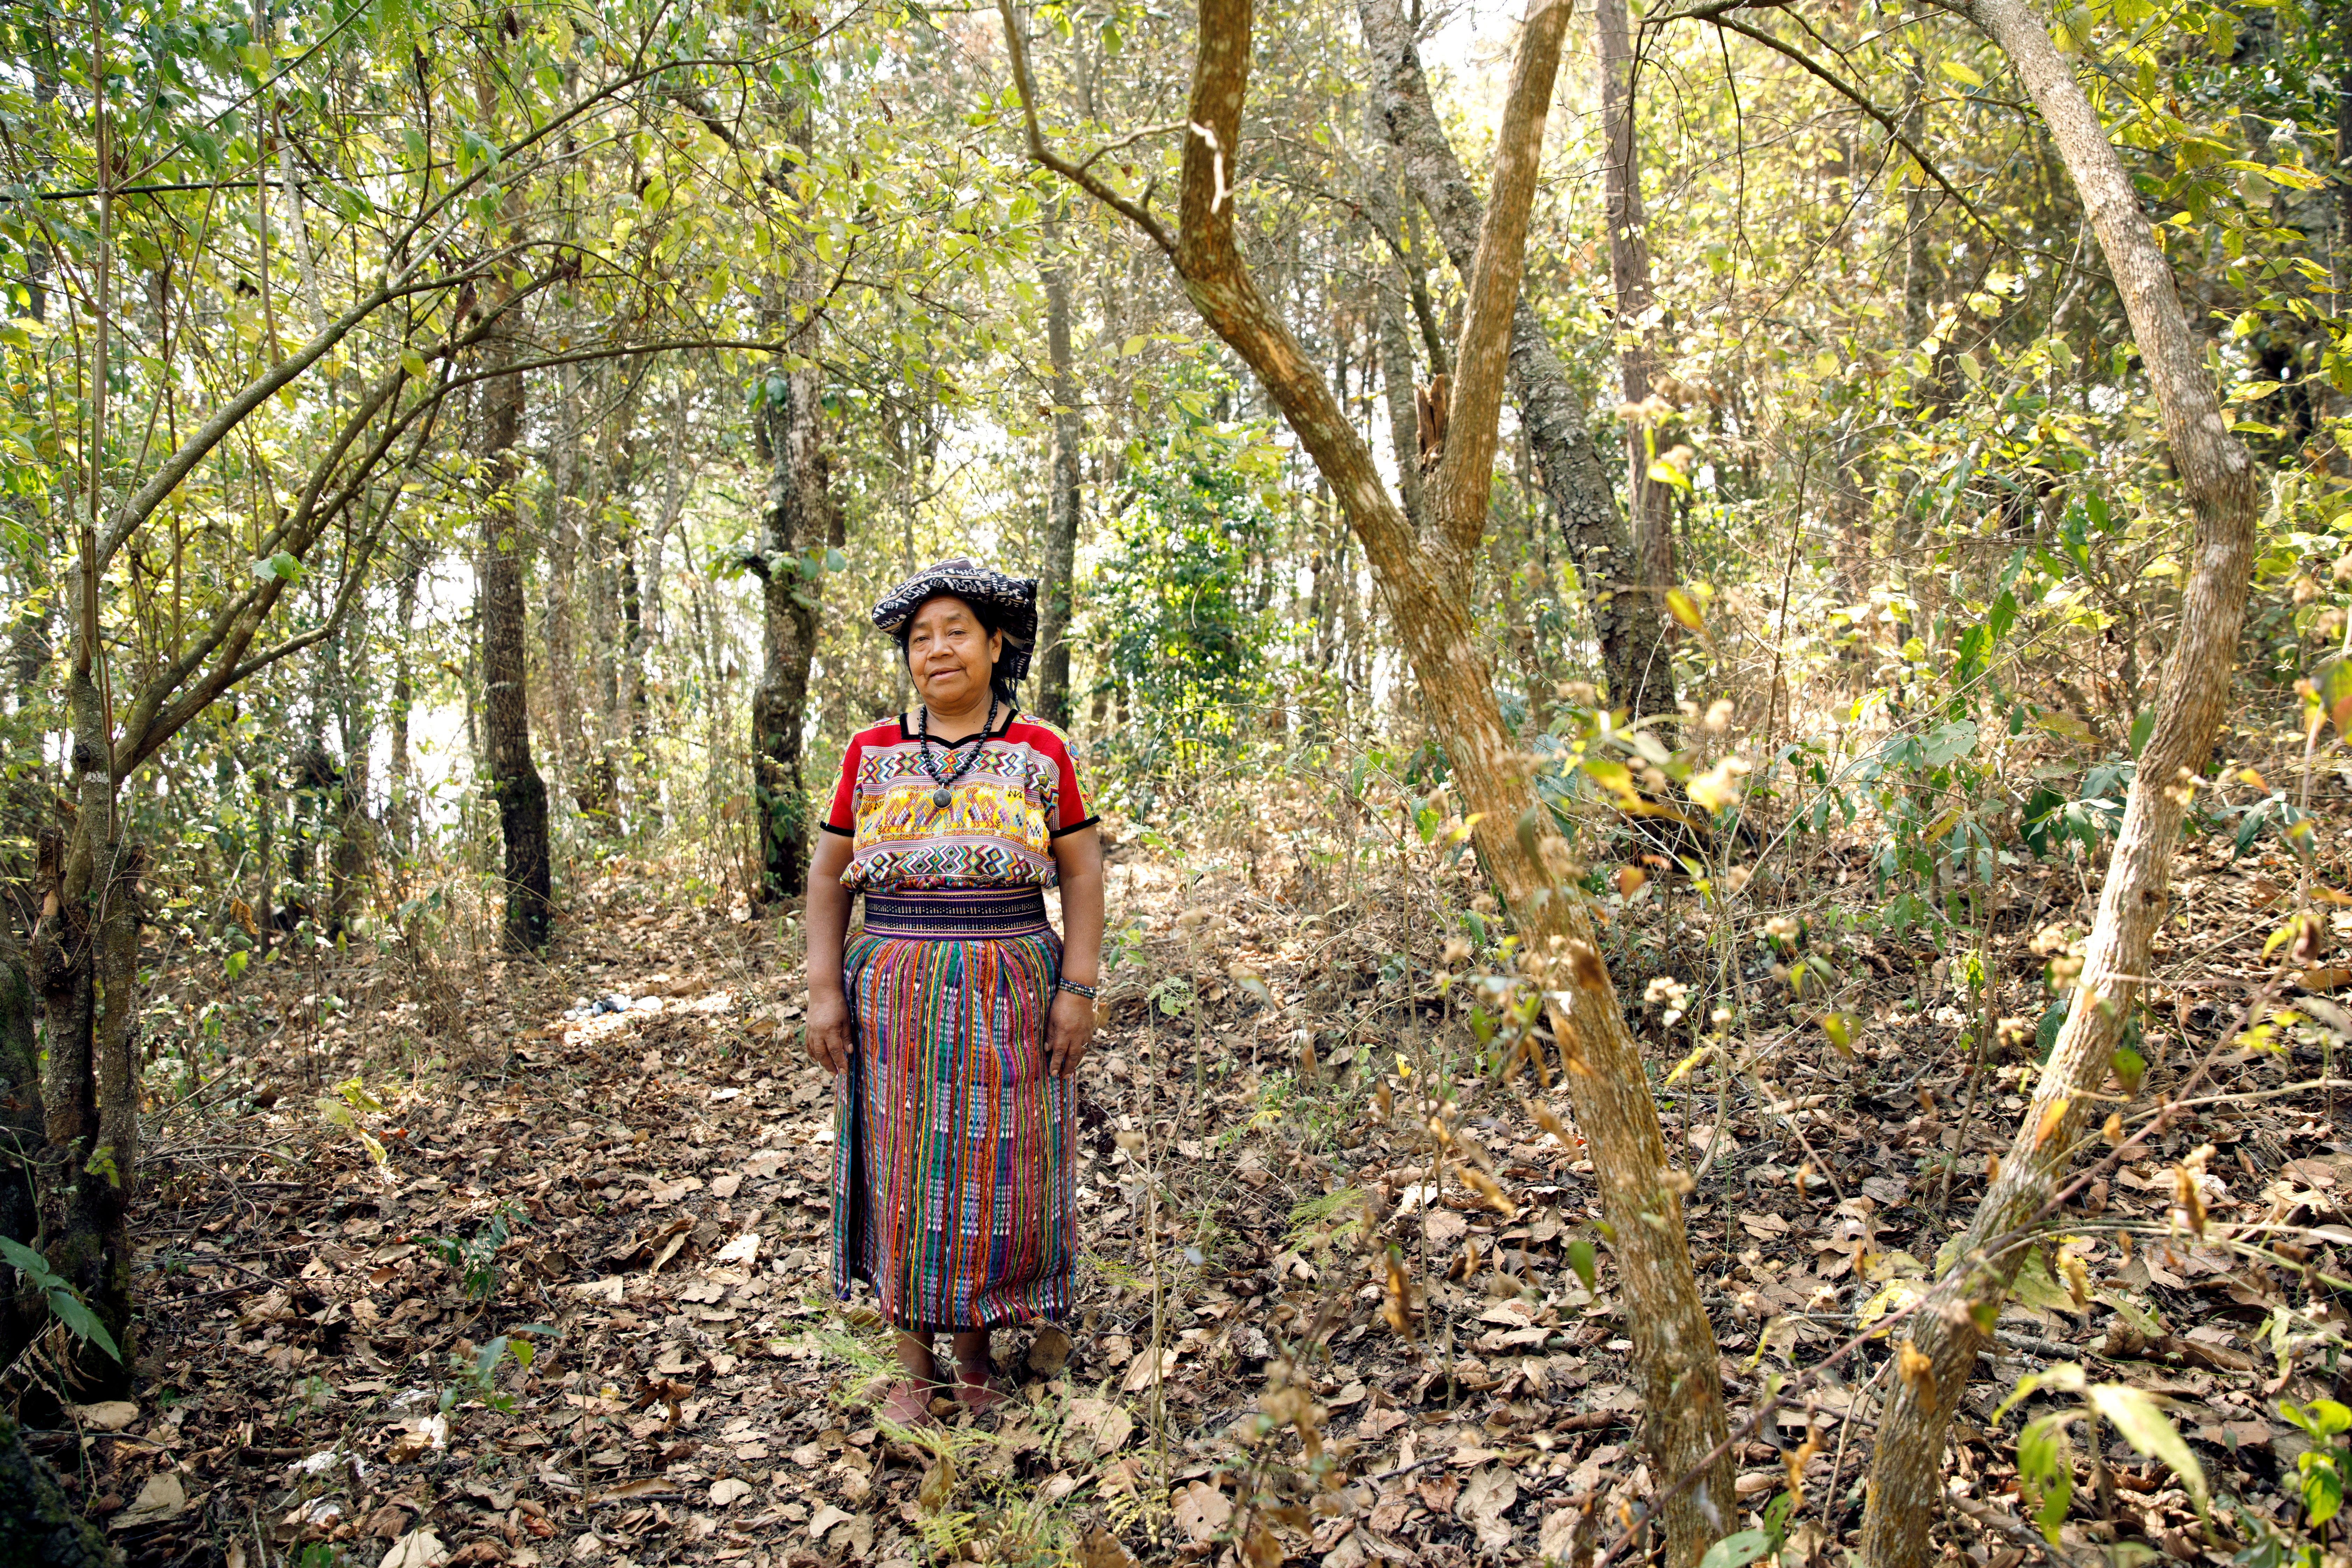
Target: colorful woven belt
969,914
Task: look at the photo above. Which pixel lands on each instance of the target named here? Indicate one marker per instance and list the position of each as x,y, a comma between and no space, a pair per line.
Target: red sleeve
1070,812
843,816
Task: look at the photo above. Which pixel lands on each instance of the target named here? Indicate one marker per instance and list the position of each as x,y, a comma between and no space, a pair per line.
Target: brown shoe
908,1404
980,1395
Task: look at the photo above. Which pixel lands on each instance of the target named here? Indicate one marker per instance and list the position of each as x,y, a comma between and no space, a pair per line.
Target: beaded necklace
942,790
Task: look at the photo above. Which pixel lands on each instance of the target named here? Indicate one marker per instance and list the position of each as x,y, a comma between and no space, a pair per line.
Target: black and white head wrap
1012,602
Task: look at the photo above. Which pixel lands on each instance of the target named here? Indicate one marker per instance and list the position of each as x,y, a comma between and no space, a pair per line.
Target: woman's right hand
828,1032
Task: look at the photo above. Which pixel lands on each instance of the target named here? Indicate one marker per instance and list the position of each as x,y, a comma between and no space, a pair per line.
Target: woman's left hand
1068,1030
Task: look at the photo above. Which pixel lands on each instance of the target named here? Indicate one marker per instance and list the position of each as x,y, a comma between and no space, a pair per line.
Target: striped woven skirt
954,1159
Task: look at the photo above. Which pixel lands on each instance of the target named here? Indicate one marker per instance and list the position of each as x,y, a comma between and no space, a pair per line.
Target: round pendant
940,796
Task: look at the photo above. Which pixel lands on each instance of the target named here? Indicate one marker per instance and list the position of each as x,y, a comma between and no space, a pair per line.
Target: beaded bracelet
1089,992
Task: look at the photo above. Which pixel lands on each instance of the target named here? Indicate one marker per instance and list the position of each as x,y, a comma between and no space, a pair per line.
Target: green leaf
2335,685
1736,1551
2066,1377
2045,1467
2323,1486
1839,1027
2146,1427
29,1263
1948,743
1963,73
2130,1067
1579,1258
75,1315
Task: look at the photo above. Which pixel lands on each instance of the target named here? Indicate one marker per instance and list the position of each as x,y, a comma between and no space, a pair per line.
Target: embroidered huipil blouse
997,828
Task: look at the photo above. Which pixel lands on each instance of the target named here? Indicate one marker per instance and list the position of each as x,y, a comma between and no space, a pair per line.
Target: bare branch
1136,212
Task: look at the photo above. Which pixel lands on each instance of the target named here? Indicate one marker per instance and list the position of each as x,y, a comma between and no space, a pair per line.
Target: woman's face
950,655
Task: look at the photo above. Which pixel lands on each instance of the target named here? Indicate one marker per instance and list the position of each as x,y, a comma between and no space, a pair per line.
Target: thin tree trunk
562,529
1055,586
1426,586
23,1123
515,782
796,518
1629,271
1636,657
400,813
85,956
2218,480
1391,339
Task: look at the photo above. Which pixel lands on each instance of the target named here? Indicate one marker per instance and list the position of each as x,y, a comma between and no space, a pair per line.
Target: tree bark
39,1526
400,813
23,1124
563,533
2219,480
796,523
1629,271
1425,583
515,782
1391,339
1055,588
85,957
1636,660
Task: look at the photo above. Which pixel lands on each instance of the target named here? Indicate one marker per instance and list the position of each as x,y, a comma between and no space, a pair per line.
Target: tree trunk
23,1124
39,1526
1636,660
796,523
1629,271
563,533
1918,288
354,837
1425,585
85,954
1054,589
515,783
2218,480
1390,340
400,804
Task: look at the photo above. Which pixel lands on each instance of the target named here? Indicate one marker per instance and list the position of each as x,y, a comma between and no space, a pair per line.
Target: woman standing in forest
953,1024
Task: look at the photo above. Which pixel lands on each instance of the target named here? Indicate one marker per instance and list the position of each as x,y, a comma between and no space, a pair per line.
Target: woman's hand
1068,1030
829,1044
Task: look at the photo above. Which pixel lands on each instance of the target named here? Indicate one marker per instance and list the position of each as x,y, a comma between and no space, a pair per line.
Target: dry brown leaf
1101,1549
1202,1511
1484,1499
1049,1352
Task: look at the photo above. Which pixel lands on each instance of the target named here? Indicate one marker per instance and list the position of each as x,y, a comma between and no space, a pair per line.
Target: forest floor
431,1165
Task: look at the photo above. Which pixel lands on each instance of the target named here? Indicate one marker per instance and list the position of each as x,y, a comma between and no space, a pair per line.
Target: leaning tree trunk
2218,480
1425,583
515,783
797,521
1635,656
1053,588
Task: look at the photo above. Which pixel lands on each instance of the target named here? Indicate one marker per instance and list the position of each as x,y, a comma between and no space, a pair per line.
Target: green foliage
475,1257
476,1377
65,1302
1179,605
